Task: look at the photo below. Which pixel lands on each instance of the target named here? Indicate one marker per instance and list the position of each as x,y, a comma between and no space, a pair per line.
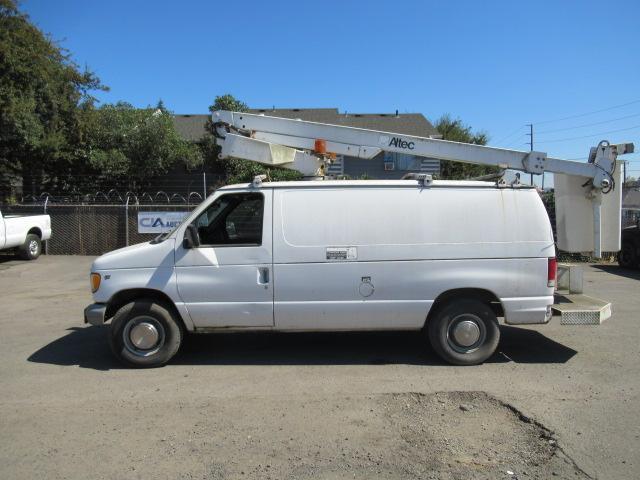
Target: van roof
367,183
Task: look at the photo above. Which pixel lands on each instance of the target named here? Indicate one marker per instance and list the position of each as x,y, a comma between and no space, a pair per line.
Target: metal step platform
580,309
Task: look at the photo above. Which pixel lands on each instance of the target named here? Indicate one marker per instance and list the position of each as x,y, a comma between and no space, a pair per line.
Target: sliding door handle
263,275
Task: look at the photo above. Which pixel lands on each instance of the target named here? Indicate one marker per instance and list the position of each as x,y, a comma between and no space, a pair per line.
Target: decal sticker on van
342,253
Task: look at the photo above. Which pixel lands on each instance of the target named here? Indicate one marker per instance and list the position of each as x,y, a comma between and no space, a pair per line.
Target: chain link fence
98,223
630,217
101,222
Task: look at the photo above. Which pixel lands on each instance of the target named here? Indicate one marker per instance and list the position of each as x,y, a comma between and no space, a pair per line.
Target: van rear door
227,280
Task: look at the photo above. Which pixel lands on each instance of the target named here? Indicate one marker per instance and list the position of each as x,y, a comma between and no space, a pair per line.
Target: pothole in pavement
452,435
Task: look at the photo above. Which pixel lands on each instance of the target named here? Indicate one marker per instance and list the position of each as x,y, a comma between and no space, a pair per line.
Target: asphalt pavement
275,405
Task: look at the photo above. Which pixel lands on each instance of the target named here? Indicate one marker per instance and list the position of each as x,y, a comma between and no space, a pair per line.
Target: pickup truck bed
25,234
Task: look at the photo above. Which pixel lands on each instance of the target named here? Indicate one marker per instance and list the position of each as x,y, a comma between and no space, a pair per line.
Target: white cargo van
447,258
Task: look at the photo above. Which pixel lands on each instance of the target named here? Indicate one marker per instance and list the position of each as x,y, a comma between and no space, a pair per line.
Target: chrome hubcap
33,247
143,336
466,333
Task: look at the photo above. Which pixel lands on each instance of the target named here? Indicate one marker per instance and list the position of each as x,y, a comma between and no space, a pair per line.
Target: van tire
627,256
143,321
464,332
31,248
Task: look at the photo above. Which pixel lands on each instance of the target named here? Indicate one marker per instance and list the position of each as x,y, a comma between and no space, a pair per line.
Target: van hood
141,255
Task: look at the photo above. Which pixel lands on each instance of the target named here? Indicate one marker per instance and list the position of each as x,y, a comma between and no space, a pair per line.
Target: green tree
42,92
132,144
457,131
238,170
228,102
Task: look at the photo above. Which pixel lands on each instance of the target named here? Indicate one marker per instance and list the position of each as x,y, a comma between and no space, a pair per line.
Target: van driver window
233,219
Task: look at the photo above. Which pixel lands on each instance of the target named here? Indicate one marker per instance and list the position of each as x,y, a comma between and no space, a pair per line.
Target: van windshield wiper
162,237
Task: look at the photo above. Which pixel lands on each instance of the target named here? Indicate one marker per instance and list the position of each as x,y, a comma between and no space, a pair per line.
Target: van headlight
95,279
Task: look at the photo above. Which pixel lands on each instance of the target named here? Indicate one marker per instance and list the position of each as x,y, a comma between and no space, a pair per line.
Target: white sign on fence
159,222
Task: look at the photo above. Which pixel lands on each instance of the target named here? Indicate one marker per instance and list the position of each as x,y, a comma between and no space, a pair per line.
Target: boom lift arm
308,147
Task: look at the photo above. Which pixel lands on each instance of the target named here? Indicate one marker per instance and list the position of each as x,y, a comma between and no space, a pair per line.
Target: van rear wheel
144,333
464,332
627,255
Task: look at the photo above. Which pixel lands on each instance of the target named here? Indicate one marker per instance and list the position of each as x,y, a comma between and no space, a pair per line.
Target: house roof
406,123
192,127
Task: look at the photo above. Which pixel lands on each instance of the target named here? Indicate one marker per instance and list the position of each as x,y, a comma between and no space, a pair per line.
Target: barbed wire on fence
84,228
114,197
97,222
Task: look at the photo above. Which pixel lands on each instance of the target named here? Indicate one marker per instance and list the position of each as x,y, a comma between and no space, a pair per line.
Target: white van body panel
148,266
387,224
409,246
352,256
329,296
158,256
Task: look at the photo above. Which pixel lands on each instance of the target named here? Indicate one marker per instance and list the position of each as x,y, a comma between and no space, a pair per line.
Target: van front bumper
527,310
95,313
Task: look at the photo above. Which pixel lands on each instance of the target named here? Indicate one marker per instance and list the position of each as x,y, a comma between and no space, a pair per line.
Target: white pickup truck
25,234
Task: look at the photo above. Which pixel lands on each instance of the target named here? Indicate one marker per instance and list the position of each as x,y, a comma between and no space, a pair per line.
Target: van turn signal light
95,282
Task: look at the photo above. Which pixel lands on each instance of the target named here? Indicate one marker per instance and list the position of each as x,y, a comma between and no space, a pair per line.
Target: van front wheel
145,334
464,332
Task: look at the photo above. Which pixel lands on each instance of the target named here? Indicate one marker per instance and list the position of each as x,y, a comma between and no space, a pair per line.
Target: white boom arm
308,146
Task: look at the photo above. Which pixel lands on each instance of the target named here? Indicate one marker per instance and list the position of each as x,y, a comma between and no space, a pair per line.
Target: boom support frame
309,146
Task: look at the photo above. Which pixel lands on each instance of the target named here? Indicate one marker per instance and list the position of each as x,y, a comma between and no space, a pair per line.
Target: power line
588,136
589,124
510,135
588,113
516,141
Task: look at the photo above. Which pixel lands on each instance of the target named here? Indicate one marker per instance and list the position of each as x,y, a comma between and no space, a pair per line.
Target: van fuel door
366,288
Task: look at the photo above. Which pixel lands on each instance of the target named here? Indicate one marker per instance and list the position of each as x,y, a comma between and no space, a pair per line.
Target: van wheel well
485,296
123,297
35,231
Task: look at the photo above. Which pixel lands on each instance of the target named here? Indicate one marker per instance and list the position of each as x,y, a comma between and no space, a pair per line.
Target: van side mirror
191,238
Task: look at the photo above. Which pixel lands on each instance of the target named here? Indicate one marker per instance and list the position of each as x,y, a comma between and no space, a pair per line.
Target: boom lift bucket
583,215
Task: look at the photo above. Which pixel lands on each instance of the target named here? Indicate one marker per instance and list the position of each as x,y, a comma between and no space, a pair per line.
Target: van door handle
263,276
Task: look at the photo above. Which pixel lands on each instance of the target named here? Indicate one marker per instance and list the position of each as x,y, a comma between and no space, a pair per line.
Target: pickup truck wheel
31,248
464,332
627,255
145,334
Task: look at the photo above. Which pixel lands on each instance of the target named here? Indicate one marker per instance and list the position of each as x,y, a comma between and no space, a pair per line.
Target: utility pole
204,186
530,125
